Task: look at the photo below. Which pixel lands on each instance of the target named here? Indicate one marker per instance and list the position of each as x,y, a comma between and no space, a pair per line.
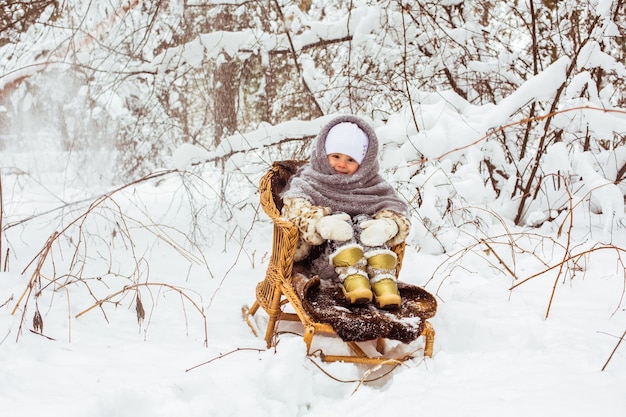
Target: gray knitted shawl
364,192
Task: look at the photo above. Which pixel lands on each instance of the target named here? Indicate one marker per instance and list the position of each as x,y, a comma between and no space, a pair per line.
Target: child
347,214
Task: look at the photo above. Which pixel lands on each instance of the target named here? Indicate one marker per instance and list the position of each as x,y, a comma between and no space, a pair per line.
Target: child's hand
376,232
335,227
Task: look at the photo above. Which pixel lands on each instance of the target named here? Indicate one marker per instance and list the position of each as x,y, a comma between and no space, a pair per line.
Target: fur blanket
324,302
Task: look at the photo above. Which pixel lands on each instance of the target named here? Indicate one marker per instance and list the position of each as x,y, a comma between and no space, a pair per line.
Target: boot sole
358,296
388,302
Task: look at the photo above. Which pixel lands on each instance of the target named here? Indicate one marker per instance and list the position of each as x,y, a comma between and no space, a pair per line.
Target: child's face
342,164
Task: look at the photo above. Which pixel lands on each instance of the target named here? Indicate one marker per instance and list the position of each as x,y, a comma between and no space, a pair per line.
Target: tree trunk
225,87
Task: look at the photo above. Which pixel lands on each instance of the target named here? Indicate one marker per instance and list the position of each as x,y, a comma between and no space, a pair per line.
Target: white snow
187,154
529,318
495,351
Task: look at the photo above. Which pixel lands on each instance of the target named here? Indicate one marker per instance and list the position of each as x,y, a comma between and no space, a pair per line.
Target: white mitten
376,232
335,227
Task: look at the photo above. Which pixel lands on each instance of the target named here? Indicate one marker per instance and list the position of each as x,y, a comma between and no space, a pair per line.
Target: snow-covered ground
128,302
495,352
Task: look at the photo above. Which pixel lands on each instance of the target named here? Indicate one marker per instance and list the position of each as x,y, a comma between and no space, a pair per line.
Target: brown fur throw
323,300
283,171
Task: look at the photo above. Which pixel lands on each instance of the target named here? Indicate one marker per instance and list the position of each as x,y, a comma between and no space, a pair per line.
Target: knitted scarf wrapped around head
364,192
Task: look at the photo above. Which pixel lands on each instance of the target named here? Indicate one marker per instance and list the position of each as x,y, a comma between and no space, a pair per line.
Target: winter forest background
130,124
134,81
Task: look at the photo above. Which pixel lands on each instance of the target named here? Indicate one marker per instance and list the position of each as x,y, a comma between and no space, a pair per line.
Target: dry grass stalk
151,284
141,313
563,268
567,264
38,322
35,281
223,356
614,350
76,234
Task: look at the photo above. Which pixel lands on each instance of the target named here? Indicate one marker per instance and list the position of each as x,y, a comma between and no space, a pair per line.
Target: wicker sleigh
288,283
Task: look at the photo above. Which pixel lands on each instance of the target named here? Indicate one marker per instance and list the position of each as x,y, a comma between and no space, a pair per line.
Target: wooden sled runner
319,305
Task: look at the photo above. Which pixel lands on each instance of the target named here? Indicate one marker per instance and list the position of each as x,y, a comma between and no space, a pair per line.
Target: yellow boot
350,265
381,267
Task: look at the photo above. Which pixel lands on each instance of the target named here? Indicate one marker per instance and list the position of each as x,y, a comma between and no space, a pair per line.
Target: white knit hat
347,138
